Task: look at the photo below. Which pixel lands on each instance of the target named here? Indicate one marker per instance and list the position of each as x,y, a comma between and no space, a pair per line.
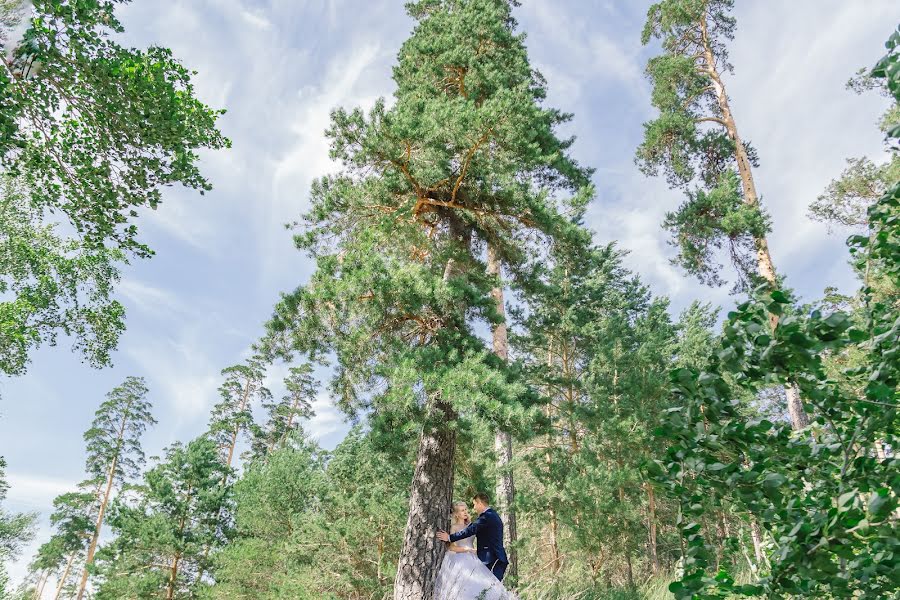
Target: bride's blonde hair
456,506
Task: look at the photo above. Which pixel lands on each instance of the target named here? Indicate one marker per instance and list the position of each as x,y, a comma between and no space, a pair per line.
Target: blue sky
280,66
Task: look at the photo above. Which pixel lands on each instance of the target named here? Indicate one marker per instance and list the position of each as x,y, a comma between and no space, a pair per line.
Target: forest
475,332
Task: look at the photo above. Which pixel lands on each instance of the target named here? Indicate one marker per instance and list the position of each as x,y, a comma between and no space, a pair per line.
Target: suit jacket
488,532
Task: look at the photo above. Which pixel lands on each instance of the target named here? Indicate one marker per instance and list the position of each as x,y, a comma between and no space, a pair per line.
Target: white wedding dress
464,577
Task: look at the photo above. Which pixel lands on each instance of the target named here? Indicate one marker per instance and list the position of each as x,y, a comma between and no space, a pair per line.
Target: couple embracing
471,571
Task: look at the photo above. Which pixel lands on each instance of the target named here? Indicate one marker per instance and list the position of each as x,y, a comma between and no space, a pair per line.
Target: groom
489,531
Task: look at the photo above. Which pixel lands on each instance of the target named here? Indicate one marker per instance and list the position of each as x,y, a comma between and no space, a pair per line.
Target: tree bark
173,577
651,522
64,576
429,505
237,428
764,264
111,477
92,548
39,588
756,536
506,489
553,522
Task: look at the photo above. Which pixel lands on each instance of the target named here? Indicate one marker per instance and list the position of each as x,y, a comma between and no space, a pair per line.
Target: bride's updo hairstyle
465,507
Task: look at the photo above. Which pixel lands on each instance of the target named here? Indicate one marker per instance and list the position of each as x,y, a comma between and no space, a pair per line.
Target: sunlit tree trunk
104,502
764,265
506,489
65,575
237,427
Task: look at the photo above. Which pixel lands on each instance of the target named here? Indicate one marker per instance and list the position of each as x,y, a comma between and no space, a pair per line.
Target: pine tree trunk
64,576
764,265
92,548
429,505
111,476
506,489
234,435
651,522
173,577
42,581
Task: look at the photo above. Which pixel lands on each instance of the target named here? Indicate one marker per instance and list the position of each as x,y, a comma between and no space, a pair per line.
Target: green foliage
694,140
310,528
15,529
597,345
114,438
95,129
810,492
274,503
90,133
165,526
285,414
51,285
466,156
847,199
710,219
828,496
74,517
233,416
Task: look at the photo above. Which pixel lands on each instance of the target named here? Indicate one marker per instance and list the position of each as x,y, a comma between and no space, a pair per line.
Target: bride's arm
455,547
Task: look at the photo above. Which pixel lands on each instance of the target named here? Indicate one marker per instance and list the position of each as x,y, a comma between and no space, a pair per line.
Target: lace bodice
468,542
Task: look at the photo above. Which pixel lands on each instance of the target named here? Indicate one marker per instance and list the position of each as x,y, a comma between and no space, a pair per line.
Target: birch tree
91,131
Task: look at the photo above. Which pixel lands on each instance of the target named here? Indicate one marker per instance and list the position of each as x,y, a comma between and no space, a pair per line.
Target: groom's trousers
498,568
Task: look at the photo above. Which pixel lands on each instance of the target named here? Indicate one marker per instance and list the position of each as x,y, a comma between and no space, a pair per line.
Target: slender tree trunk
110,479
756,536
651,527
42,581
506,489
628,568
92,548
64,576
764,265
553,521
173,577
429,505
237,428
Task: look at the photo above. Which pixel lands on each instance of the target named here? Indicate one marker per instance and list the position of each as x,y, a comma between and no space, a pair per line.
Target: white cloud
34,493
179,373
150,299
589,54
307,156
327,419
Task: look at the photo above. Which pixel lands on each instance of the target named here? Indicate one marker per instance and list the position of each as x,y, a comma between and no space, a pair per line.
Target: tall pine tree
695,139
114,450
465,157
166,525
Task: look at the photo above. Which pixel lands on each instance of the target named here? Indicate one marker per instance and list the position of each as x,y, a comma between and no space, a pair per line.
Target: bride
463,576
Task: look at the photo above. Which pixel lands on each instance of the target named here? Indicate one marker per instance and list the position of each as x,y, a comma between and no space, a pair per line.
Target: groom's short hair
482,497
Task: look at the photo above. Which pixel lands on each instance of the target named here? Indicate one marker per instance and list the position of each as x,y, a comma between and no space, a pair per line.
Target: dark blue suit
488,529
